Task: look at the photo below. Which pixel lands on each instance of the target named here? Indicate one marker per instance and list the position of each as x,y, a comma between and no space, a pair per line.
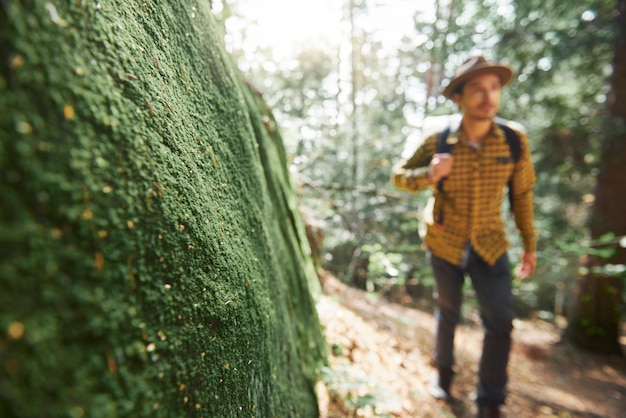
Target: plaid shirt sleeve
523,180
411,174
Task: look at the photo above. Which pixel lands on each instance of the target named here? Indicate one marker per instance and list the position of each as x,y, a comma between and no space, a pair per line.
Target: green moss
153,258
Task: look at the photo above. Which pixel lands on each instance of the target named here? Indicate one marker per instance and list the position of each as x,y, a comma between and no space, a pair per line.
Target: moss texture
152,258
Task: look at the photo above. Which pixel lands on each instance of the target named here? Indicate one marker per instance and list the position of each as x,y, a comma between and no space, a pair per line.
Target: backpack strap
513,140
442,144
516,150
443,147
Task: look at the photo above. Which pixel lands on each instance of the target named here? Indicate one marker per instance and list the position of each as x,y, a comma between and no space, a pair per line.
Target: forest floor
380,365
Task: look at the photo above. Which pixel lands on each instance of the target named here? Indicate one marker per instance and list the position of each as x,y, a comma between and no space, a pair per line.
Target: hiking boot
440,385
488,411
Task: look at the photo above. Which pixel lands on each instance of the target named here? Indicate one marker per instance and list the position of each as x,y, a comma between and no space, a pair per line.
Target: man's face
480,97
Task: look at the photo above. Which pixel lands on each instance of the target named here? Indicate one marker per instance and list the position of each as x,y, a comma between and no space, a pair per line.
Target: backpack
426,215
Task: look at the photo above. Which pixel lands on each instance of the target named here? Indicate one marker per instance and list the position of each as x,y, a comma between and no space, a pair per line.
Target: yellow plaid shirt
471,203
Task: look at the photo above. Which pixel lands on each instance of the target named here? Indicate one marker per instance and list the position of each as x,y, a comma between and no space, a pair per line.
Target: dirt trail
380,355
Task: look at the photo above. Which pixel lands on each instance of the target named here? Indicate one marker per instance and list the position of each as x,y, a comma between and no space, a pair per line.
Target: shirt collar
458,133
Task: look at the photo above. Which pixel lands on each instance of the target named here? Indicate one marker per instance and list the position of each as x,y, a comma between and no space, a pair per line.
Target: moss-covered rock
152,258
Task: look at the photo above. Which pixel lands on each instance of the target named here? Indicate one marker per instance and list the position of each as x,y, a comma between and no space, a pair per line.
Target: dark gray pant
492,285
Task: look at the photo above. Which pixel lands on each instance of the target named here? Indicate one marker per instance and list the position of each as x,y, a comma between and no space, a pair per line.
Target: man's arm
413,173
523,182
412,179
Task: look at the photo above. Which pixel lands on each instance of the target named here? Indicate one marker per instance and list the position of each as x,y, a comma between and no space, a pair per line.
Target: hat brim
504,72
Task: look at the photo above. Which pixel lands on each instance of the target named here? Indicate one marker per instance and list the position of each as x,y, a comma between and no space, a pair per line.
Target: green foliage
382,263
353,388
153,259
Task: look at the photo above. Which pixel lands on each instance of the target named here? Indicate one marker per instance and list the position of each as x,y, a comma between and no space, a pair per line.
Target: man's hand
527,267
440,167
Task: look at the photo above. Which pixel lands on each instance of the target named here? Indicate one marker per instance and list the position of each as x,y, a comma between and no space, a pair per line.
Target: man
468,235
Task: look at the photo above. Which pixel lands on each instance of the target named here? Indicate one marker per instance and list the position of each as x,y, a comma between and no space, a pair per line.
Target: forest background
353,85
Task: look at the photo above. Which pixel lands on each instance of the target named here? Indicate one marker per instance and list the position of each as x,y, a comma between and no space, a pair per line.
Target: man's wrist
414,174
429,176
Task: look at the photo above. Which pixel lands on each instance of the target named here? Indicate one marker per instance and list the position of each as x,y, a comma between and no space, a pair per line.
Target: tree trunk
617,97
597,312
596,317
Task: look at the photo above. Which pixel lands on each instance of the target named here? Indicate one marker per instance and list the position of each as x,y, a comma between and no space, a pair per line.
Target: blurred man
469,166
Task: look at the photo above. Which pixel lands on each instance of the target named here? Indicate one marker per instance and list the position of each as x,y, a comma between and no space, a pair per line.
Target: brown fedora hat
473,67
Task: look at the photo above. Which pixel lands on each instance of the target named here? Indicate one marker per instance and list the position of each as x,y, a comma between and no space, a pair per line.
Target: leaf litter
380,365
